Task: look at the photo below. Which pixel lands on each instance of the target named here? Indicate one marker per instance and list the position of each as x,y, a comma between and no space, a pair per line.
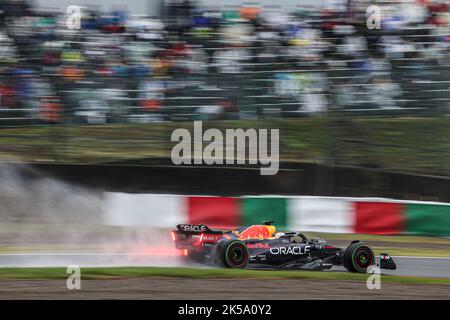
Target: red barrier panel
379,218
216,212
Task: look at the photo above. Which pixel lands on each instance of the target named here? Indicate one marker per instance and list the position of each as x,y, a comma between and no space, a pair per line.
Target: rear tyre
358,257
232,254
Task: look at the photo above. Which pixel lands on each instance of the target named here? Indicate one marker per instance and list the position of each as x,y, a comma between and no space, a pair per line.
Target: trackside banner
306,213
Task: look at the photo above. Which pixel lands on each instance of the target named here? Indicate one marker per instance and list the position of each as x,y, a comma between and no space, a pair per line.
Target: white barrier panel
320,215
145,210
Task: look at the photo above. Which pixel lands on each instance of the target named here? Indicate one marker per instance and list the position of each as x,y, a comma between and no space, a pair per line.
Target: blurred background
153,62
361,113
115,89
150,61
340,93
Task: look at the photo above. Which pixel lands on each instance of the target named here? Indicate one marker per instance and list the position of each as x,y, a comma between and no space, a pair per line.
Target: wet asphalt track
406,266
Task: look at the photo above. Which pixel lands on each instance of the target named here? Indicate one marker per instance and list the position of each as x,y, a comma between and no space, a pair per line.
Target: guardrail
310,214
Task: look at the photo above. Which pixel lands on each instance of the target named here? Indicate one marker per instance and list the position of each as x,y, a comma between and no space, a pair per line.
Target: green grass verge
406,144
202,273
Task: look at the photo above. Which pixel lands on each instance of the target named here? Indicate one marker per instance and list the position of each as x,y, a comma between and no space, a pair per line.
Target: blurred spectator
200,61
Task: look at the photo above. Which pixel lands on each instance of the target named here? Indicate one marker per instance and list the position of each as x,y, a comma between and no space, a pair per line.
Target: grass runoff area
202,273
407,144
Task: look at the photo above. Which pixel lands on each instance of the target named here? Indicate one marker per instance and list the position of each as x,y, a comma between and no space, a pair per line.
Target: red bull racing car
261,246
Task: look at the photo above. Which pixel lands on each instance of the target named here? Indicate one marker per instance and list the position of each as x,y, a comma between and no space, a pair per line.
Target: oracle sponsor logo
296,250
258,245
190,227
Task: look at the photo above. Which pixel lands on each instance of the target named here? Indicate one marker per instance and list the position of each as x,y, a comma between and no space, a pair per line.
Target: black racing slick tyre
232,253
358,257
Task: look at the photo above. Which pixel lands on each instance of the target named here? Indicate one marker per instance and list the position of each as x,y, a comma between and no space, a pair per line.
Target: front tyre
232,254
358,257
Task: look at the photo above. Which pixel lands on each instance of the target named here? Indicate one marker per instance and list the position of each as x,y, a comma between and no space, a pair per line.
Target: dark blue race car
261,246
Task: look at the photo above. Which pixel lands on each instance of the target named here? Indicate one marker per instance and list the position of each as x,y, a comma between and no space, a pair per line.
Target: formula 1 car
260,246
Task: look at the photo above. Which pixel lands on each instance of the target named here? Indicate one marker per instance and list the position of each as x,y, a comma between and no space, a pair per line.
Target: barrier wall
303,213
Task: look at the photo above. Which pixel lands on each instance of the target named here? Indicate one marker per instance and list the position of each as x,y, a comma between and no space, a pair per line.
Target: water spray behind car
56,222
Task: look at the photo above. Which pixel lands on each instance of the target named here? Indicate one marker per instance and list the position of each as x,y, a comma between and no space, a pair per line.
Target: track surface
406,266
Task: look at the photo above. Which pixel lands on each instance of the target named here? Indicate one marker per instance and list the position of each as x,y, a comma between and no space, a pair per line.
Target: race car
261,246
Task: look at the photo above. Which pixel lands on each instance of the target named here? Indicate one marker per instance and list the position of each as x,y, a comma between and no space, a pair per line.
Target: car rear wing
193,229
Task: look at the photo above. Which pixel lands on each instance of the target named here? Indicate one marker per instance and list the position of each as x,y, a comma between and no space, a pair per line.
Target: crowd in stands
235,63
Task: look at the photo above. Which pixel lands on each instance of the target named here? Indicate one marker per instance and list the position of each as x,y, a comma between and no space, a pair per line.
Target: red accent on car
258,245
256,231
210,238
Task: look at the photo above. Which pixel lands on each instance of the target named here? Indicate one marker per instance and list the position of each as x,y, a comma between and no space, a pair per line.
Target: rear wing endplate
196,229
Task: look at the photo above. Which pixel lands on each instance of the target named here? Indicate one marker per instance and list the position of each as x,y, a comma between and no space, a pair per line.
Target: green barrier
255,210
428,219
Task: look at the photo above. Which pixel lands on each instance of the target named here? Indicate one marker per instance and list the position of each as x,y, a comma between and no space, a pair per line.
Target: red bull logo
255,232
258,245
